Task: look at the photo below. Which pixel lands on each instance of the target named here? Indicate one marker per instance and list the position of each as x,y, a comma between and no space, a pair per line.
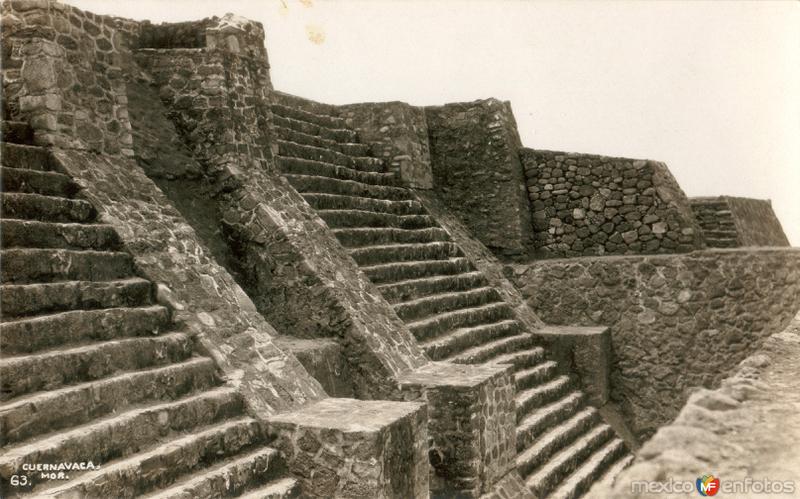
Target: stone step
297,102
402,271
300,166
541,395
46,412
37,182
327,185
590,471
376,255
708,204
451,344
290,149
340,135
443,302
546,478
711,211
544,417
27,206
486,352
337,202
721,234
165,464
31,299
362,219
229,478
378,236
521,359
348,148
283,488
610,476
439,324
26,156
417,288
57,368
296,113
556,438
44,265
117,435
722,243
723,227
33,234
16,132
30,335
531,376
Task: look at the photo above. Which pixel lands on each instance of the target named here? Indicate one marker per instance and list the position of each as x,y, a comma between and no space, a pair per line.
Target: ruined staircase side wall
477,171
677,321
397,133
756,222
67,81
744,431
585,204
731,222
298,275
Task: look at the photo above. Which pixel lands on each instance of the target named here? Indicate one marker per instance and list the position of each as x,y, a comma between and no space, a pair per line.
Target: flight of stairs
716,221
92,369
563,445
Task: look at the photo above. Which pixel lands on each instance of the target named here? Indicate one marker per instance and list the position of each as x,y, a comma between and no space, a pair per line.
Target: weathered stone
471,423
355,448
614,202
661,305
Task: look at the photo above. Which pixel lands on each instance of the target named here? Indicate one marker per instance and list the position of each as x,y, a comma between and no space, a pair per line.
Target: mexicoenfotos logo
707,485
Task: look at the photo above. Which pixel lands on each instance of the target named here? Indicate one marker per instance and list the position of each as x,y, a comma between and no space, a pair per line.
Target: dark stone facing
585,205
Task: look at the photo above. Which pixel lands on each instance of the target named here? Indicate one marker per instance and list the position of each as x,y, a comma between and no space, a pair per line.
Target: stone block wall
354,448
472,424
398,133
62,72
594,205
477,172
676,321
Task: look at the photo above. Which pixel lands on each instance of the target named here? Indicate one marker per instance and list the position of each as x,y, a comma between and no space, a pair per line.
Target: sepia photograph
400,249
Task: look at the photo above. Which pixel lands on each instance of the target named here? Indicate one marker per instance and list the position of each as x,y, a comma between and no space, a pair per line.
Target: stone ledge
324,360
472,424
356,448
588,350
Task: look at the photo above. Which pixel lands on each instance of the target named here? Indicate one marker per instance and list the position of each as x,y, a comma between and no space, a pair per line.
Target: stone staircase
716,220
455,314
92,370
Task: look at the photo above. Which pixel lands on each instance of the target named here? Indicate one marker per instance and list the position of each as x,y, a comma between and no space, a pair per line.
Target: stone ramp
93,370
450,307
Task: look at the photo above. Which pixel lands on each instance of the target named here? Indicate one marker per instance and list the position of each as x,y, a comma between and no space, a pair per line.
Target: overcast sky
711,88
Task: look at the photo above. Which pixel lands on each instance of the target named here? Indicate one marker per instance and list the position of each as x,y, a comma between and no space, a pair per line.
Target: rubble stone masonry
62,71
676,321
477,172
585,204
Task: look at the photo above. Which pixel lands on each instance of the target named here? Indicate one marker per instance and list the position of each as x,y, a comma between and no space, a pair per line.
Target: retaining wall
584,204
677,321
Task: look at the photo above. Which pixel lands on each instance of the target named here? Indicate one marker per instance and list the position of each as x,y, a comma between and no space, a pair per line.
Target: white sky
711,88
